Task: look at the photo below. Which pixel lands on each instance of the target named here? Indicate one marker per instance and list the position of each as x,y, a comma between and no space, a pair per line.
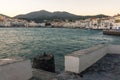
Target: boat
112,32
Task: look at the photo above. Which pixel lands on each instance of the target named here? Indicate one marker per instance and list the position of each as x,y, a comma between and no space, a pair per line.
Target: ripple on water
29,42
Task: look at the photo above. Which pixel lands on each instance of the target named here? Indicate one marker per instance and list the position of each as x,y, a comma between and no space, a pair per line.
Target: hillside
42,15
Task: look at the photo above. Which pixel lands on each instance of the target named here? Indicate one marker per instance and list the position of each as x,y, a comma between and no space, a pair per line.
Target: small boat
112,32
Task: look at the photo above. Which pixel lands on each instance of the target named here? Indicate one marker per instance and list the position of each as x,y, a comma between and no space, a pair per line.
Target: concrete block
72,64
15,69
113,49
80,60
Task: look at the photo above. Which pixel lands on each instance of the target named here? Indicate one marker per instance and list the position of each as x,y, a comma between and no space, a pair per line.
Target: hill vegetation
39,16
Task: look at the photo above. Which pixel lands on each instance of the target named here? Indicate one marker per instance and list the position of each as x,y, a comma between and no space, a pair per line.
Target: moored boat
111,32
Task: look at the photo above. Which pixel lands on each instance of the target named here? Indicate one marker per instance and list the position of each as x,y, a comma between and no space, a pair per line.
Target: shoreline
56,27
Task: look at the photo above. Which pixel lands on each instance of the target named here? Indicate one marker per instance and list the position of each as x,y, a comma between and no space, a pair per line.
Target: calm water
29,42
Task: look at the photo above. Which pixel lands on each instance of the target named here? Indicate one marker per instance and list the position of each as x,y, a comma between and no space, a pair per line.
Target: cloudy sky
79,7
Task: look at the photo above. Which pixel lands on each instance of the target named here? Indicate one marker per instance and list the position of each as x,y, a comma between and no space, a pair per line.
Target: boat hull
111,32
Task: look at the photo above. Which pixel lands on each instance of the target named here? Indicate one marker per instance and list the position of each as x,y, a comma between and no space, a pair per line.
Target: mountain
4,15
97,16
45,15
36,14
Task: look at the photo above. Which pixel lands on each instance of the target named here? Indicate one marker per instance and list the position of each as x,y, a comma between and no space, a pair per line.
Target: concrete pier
113,49
15,69
78,61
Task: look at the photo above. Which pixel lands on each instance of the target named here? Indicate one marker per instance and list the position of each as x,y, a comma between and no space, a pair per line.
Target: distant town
111,22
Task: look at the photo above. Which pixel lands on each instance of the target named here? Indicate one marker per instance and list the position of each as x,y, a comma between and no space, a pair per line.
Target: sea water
29,42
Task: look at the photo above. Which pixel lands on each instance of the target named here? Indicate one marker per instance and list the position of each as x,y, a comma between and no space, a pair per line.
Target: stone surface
107,68
67,76
42,75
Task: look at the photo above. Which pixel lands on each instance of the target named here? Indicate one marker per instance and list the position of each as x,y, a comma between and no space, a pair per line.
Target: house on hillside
117,21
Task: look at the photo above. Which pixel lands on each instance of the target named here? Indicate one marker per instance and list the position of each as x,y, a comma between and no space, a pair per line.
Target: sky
79,7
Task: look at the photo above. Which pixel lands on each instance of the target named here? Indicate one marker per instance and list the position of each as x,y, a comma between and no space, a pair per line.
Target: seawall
78,61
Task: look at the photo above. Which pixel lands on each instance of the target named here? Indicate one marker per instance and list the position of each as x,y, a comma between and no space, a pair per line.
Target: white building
117,21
